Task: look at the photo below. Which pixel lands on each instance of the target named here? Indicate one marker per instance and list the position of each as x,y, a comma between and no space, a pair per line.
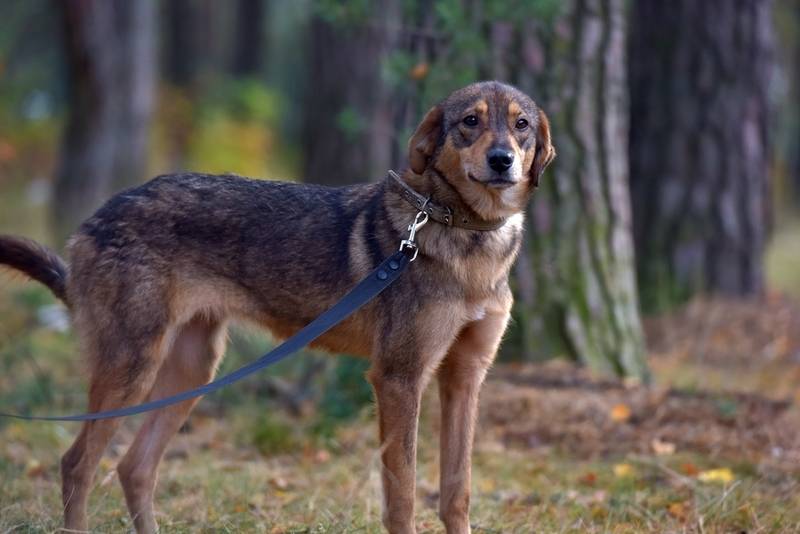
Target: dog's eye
521,124
470,120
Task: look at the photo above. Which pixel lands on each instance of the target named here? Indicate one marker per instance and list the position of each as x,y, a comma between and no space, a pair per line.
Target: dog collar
441,214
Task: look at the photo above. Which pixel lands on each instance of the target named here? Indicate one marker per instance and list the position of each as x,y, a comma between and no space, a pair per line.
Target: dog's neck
434,186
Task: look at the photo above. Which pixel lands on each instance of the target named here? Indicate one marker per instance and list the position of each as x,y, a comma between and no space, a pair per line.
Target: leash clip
419,221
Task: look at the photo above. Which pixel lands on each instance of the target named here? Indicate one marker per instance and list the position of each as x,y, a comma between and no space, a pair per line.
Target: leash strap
369,288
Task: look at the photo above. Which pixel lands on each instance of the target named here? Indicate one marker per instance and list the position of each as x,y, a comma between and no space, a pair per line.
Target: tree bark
347,96
699,73
179,52
249,38
575,279
793,106
109,46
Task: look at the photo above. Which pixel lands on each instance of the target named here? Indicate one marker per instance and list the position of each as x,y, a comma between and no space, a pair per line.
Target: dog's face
490,141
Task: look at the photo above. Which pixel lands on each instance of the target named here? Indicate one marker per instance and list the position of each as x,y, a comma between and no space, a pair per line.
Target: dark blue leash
369,288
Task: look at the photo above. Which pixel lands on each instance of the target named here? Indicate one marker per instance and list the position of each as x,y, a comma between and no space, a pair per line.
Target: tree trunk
793,104
698,142
179,53
249,38
109,46
348,97
575,283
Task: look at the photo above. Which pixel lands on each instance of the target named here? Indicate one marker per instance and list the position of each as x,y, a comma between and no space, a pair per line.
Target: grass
217,486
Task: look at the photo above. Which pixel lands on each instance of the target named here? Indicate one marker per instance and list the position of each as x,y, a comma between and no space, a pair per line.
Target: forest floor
712,446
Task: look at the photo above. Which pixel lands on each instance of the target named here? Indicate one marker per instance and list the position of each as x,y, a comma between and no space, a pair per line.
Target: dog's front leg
460,377
398,397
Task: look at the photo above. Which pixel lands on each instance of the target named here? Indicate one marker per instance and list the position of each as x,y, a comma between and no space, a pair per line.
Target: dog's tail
35,260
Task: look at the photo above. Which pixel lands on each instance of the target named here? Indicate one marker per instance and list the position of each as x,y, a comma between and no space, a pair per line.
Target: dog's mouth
495,181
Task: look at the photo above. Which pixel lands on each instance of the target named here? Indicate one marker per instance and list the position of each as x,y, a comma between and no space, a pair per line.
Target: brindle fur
156,274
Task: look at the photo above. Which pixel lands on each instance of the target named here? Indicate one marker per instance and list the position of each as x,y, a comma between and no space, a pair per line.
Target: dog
156,274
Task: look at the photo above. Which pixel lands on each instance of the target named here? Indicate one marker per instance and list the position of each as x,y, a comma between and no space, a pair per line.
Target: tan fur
156,274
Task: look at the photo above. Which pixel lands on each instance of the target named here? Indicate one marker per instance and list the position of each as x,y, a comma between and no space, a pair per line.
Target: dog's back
179,245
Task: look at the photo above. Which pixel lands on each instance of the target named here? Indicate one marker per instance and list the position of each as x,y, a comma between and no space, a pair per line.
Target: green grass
220,487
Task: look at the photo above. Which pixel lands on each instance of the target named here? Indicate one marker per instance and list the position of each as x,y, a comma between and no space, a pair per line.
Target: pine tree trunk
348,130
793,107
109,48
576,289
249,38
699,154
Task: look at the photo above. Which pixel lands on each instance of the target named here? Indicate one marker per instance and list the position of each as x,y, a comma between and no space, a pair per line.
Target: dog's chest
486,259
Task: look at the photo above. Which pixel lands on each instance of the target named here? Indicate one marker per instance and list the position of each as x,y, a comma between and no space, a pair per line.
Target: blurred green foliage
272,436
344,394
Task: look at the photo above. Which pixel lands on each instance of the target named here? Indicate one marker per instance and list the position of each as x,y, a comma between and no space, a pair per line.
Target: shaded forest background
663,245
677,126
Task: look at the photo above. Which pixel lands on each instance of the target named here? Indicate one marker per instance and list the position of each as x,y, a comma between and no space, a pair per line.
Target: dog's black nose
500,159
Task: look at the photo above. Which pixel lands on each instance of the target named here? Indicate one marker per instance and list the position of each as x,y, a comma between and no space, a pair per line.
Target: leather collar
441,214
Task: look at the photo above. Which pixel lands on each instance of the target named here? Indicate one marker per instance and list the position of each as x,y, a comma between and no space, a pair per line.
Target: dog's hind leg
124,377
190,363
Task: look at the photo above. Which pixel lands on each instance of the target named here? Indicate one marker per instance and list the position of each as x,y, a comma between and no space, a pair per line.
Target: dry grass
215,480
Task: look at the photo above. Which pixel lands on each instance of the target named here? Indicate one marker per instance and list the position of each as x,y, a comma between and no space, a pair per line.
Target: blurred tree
249,46
109,50
346,94
179,53
200,38
576,289
699,74
791,10
575,285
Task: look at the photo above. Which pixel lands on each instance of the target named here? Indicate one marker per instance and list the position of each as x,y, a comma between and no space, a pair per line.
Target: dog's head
490,141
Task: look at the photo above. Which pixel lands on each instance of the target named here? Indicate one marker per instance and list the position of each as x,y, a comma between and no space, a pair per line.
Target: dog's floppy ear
423,142
545,152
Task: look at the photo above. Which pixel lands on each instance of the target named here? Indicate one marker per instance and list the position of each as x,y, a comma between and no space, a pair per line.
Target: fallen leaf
620,413
322,456
689,469
722,475
34,468
624,470
662,448
588,479
487,485
107,464
599,513
678,511
279,483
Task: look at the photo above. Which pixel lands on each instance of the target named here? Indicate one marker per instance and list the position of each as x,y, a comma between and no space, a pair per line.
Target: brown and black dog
156,274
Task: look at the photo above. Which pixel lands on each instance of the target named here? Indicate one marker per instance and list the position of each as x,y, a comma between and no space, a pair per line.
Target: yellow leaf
620,413
722,475
487,485
34,468
623,470
107,464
